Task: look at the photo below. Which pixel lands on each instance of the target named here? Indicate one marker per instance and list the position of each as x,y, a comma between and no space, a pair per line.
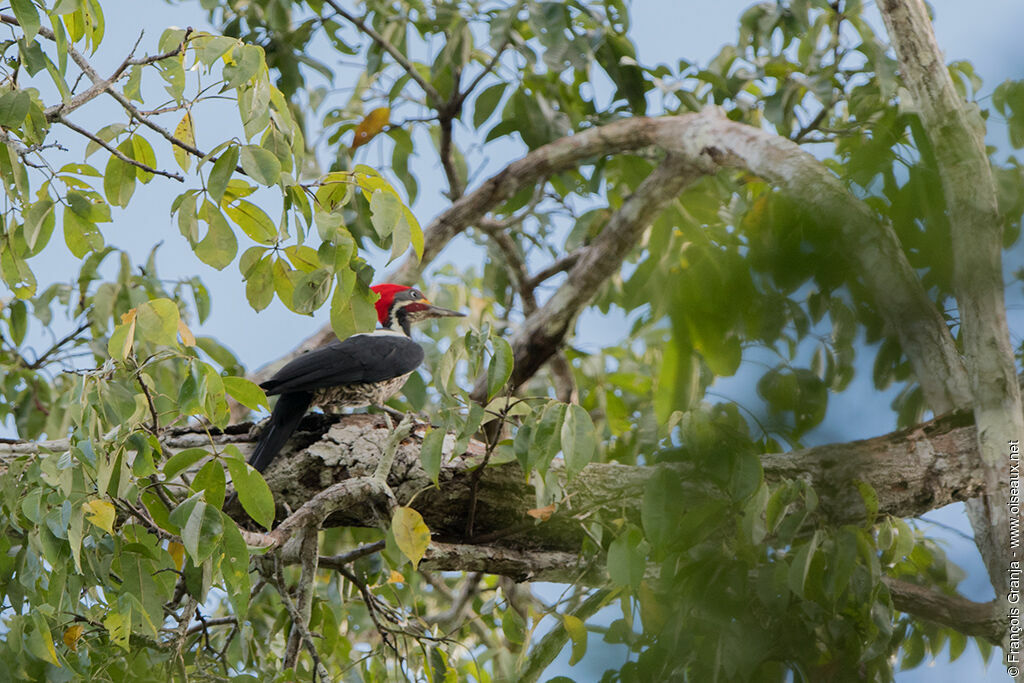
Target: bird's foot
391,413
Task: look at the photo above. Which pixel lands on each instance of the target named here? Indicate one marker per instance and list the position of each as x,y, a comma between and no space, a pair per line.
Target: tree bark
957,134
912,471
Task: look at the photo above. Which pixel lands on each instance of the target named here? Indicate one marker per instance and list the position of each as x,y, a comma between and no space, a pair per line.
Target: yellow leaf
578,634
129,317
72,635
100,513
40,643
177,552
187,134
411,534
187,338
119,627
652,610
396,577
543,514
129,339
371,125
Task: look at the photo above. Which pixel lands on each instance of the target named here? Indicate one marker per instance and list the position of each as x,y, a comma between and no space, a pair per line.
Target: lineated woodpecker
362,370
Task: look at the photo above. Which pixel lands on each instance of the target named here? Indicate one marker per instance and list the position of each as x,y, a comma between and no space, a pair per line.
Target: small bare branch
116,152
433,96
304,593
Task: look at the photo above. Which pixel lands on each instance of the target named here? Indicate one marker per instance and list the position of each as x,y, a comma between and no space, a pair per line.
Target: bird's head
399,307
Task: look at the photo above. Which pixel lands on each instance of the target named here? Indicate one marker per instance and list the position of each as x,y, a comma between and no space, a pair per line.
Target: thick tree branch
325,475
543,331
957,135
971,618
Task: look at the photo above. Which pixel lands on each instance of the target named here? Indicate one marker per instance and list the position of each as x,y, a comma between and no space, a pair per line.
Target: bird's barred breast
359,394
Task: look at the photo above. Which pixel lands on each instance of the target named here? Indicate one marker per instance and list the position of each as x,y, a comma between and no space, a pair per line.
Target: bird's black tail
283,420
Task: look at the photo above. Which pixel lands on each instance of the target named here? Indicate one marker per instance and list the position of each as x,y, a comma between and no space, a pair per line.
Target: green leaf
119,177
247,61
261,165
499,369
40,641
245,392
36,217
431,453
486,102
546,437
512,626
14,106
870,498
221,173
118,625
181,461
219,247
253,492
18,321
259,284
201,528
28,18
143,152
385,212
253,221
411,534
81,235
234,568
312,290
210,481
658,510
626,560
800,566
351,314
578,440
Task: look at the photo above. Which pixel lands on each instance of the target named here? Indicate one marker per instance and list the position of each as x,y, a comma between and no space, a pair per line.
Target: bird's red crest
387,295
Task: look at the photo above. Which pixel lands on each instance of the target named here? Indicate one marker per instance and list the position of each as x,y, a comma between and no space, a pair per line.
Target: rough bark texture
913,471
957,135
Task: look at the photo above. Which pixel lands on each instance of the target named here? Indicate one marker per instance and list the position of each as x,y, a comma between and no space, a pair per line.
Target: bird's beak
432,311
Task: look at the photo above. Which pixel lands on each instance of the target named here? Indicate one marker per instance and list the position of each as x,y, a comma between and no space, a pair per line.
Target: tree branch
303,594
434,98
912,471
971,618
117,153
543,332
957,135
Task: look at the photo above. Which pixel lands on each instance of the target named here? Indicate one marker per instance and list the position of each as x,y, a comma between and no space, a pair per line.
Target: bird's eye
414,294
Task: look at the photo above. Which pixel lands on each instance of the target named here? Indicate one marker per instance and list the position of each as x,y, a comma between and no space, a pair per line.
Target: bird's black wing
361,358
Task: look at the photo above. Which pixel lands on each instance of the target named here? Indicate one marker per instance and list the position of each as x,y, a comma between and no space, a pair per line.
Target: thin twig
371,606
320,671
117,153
155,428
340,560
431,92
38,363
560,266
